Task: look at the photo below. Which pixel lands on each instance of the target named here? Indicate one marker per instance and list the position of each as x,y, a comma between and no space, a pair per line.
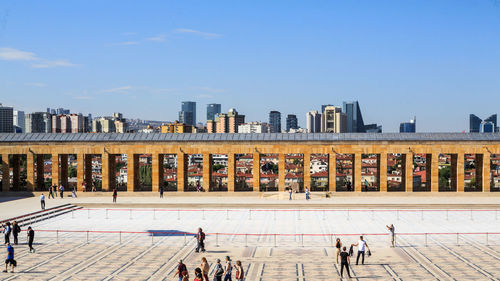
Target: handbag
369,253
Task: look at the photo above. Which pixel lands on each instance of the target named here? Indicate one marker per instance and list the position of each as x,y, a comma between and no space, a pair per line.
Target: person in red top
197,274
182,271
240,274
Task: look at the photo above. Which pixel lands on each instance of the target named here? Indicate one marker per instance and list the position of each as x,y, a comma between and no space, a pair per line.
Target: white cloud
123,90
158,38
11,54
206,35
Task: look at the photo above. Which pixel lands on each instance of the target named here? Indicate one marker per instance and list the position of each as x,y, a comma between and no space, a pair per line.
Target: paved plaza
124,243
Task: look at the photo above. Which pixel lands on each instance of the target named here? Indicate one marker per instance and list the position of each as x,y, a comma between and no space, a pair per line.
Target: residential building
110,124
6,119
58,111
187,115
313,119
275,121
212,110
355,122
226,123
333,120
19,122
291,122
324,106
253,128
176,127
408,127
38,122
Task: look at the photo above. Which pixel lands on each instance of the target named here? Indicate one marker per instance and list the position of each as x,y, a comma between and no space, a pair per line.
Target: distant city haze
436,60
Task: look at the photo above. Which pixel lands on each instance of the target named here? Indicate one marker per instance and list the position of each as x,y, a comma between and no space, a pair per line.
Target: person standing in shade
240,273
362,246
10,259
31,237
115,194
348,186
205,268
15,231
228,270
73,192
218,271
289,194
6,231
61,191
54,188
181,271
307,194
51,192
42,201
392,229
338,248
200,239
161,191
345,260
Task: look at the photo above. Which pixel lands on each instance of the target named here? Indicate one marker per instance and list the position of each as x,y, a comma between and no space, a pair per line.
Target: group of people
220,272
306,191
15,229
345,256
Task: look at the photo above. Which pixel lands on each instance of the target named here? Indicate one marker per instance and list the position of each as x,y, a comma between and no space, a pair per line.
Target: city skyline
397,60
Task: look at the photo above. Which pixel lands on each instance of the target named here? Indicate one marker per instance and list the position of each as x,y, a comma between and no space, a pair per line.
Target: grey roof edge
269,137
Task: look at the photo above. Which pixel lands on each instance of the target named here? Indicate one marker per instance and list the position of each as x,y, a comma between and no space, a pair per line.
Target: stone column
181,171
408,172
479,171
207,171
112,171
486,172
434,172
55,169
88,172
40,172
382,171
456,165
5,173
132,171
307,170
256,171
231,171
281,172
357,172
64,171
460,172
80,171
16,179
105,172
30,171
157,172
332,172
428,171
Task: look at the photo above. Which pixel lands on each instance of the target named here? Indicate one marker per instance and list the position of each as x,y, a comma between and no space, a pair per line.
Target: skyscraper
38,122
324,106
476,124
291,122
18,121
187,115
355,122
275,121
6,119
313,119
408,127
212,110
333,120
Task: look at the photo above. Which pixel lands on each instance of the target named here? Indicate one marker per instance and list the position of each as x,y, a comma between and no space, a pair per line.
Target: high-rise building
291,122
333,120
324,106
38,122
110,124
58,111
69,123
19,122
355,122
275,121
373,128
487,127
476,124
6,119
212,110
408,127
187,115
226,123
313,119
253,128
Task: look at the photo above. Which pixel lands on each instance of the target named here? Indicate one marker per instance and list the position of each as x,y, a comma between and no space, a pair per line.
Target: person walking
392,229
73,192
51,192
197,274
181,271
61,191
31,237
362,246
161,191
198,187
42,201
240,273
289,194
15,231
6,231
200,239
54,188
115,194
345,260
10,259
338,248
204,268
218,271
228,270
307,194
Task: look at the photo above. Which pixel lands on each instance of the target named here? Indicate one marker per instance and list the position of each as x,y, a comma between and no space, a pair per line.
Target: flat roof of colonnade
266,137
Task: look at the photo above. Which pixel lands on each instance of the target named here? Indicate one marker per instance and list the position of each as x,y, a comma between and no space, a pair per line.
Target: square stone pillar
281,172
428,171
231,172
64,171
454,172
30,171
256,171
307,170
479,171
408,172
207,171
132,171
80,168
157,172
40,172
88,172
16,179
382,171
332,172
357,172
434,172
486,172
5,173
460,184
55,169
105,172
182,163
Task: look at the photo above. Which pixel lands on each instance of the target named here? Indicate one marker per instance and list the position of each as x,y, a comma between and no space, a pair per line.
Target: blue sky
438,60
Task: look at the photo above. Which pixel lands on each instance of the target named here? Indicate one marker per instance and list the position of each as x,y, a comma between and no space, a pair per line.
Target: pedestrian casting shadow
168,232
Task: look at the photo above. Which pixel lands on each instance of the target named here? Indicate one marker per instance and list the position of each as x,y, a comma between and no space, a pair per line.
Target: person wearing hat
181,271
228,269
218,271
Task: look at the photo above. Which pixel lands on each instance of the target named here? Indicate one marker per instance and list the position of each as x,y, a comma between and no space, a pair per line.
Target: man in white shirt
362,245
42,201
